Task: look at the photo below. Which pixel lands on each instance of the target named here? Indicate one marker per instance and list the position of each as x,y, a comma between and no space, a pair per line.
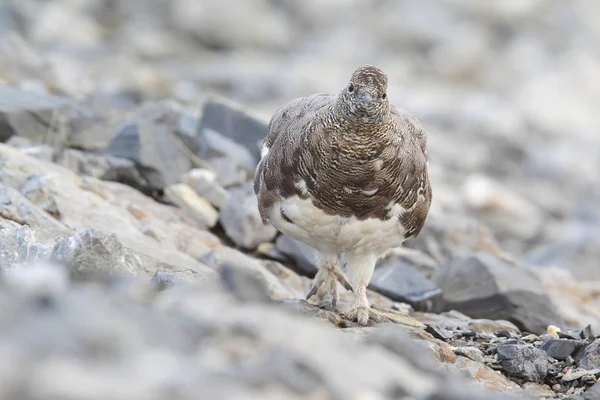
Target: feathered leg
329,274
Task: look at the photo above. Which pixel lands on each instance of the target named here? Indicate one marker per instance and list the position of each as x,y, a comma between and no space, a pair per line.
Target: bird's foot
363,314
329,275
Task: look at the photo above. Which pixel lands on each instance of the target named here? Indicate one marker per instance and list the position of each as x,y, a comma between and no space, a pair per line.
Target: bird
347,174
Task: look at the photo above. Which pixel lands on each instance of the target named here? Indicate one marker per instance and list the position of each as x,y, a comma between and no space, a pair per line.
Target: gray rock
91,253
244,285
483,286
304,256
20,209
101,166
229,172
151,143
593,393
401,282
439,332
161,280
241,220
204,182
560,349
229,120
18,246
226,257
523,361
589,357
42,119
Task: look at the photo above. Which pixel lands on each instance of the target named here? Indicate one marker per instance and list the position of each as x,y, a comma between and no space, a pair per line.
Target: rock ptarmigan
345,173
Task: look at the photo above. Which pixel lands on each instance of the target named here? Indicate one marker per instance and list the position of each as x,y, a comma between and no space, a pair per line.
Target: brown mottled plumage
345,173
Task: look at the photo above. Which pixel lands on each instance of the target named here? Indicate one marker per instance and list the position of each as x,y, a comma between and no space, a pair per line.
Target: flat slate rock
484,286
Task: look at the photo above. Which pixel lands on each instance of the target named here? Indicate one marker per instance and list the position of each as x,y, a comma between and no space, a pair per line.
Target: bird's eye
384,96
350,88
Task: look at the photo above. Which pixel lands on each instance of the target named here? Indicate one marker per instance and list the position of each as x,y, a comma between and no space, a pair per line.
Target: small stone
470,352
204,182
588,333
161,280
560,349
185,198
523,361
574,375
439,332
241,220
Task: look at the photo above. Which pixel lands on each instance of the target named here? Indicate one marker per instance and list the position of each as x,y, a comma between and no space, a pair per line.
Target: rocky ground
133,261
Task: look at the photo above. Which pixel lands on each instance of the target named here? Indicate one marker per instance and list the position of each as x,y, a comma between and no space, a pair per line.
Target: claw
312,291
343,280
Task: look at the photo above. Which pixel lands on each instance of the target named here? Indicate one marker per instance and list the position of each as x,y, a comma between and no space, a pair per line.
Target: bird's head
365,96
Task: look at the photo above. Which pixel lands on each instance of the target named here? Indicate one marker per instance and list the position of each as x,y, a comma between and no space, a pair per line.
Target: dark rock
483,286
523,361
574,334
589,356
304,256
401,282
241,220
229,121
42,119
560,349
439,332
149,140
588,333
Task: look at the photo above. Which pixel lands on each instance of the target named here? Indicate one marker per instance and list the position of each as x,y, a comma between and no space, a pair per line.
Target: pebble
204,183
184,197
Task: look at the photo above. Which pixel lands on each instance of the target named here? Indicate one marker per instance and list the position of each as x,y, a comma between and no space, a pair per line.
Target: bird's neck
360,125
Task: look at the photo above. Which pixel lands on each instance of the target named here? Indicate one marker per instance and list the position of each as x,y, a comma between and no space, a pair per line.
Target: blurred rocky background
133,261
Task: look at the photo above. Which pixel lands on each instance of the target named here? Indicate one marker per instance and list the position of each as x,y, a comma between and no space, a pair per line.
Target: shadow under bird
345,173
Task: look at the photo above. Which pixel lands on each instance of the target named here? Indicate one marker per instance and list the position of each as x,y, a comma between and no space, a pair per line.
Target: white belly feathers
333,234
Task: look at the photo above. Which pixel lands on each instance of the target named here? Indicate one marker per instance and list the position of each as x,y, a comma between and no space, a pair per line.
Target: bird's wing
414,192
277,171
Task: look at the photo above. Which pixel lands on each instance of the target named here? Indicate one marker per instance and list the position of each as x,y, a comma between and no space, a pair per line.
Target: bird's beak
365,98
